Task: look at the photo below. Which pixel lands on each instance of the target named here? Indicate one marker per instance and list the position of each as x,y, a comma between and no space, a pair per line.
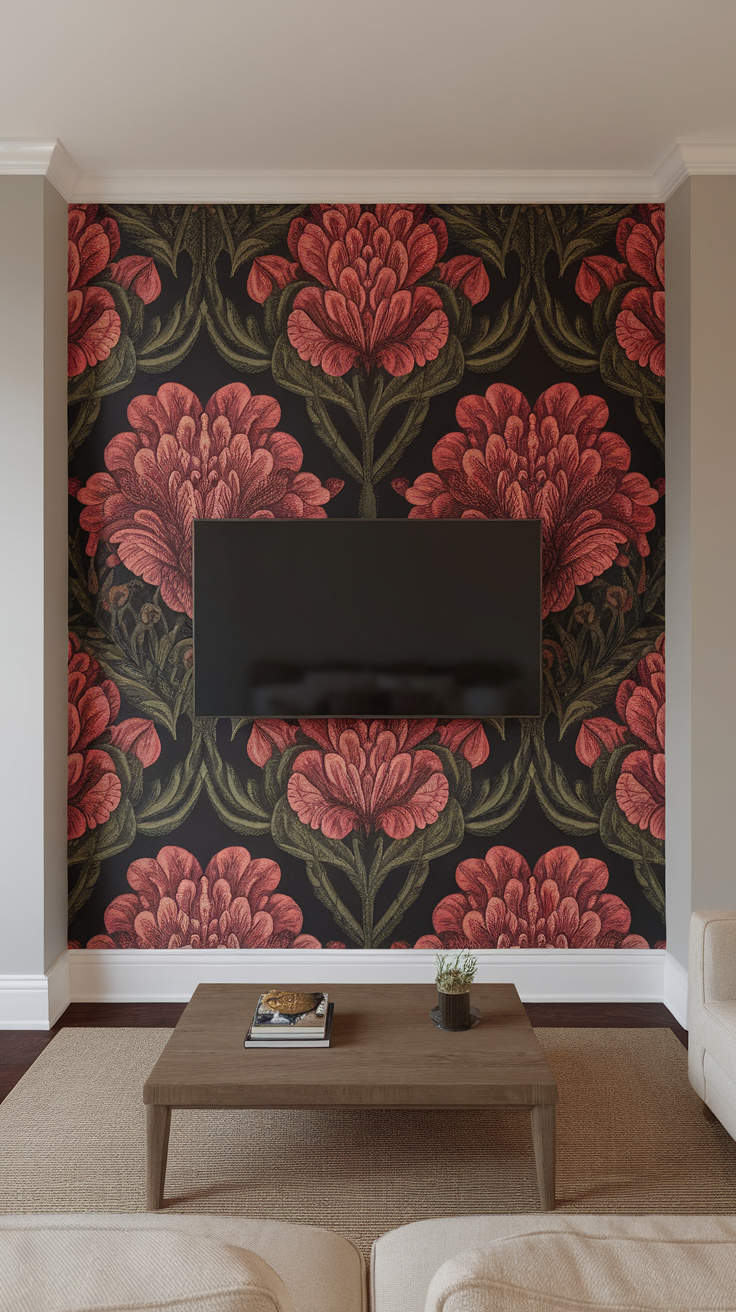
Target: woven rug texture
631,1137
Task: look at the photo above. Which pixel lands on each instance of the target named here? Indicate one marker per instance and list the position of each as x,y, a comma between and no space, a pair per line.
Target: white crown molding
708,156
685,159
26,157
668,173
48,159
368,186
682,159
35,1002
63,172
540,975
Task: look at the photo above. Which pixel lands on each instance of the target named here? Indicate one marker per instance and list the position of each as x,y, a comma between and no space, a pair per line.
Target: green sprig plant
455,976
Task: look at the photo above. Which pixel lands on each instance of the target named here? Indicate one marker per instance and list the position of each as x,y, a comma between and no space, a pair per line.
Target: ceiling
152,87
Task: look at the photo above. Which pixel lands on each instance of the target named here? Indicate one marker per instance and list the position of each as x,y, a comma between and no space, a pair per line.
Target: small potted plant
454,978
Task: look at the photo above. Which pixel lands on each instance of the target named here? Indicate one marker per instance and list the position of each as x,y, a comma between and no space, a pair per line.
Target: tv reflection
402,691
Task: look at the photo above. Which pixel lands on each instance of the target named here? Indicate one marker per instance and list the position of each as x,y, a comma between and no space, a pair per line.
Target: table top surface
384,1051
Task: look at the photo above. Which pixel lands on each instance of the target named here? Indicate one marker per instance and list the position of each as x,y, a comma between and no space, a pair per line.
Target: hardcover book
287,1014
290,1041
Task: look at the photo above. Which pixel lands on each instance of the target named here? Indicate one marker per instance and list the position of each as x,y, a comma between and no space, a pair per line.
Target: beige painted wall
33,574
56,573
701,552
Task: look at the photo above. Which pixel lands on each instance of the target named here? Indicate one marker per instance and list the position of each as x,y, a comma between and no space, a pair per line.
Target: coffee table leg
543,1135
158,1122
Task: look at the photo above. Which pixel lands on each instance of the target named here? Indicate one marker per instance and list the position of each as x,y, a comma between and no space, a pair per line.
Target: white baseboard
675,988
35,1002
129,975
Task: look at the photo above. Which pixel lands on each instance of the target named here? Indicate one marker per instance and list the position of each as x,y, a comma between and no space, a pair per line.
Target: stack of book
286,1018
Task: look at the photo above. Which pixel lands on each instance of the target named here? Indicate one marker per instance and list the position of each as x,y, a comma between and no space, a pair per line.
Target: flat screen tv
367,618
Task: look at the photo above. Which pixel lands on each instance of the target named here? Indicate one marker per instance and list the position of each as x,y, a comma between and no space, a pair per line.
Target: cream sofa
542,1263
712,1012
556,1263
86,1263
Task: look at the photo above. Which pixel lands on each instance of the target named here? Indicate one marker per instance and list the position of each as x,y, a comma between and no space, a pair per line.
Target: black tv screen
367,618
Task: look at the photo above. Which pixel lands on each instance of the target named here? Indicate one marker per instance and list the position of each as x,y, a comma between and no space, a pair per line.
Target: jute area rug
631,1138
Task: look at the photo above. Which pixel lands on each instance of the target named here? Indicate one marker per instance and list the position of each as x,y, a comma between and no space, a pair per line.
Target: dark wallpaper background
492,361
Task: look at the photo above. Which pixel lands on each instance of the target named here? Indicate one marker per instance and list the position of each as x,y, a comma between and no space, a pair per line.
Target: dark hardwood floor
20,1048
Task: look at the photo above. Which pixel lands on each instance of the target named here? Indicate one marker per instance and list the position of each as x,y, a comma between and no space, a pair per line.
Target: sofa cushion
322,1271
577,1273
717,1034
403,1261
719,955
67,1268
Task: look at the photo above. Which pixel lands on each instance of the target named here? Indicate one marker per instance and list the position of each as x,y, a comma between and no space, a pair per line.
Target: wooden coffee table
384,1052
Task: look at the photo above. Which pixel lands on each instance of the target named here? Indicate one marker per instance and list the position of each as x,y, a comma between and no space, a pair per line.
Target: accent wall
465,361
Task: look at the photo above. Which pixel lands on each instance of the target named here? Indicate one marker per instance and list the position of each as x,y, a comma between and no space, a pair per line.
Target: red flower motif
555,463
93,787
139,737
504,905
367,776
367,308
268,272
137,273
640,702
640,321
466,274
598,273
94,323
231,905
596,734
228,461
267,736
467,737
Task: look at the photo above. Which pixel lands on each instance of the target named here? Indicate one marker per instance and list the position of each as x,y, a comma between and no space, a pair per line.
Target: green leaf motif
495,343
602,683
418,387
579,230
277,770
297,376
299,840
236,806
110,838
169,802
497,804
651,884
83,422
84,886
424,844
256,229
166,344
325,893
109,376
410,890
484,229
241,345
568,808
148,229
134,685
630,378
628,840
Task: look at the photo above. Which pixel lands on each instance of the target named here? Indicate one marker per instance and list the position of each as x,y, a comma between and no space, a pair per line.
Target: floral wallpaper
465,361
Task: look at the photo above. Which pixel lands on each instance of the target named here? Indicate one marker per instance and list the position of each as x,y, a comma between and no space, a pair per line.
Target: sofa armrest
712,963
